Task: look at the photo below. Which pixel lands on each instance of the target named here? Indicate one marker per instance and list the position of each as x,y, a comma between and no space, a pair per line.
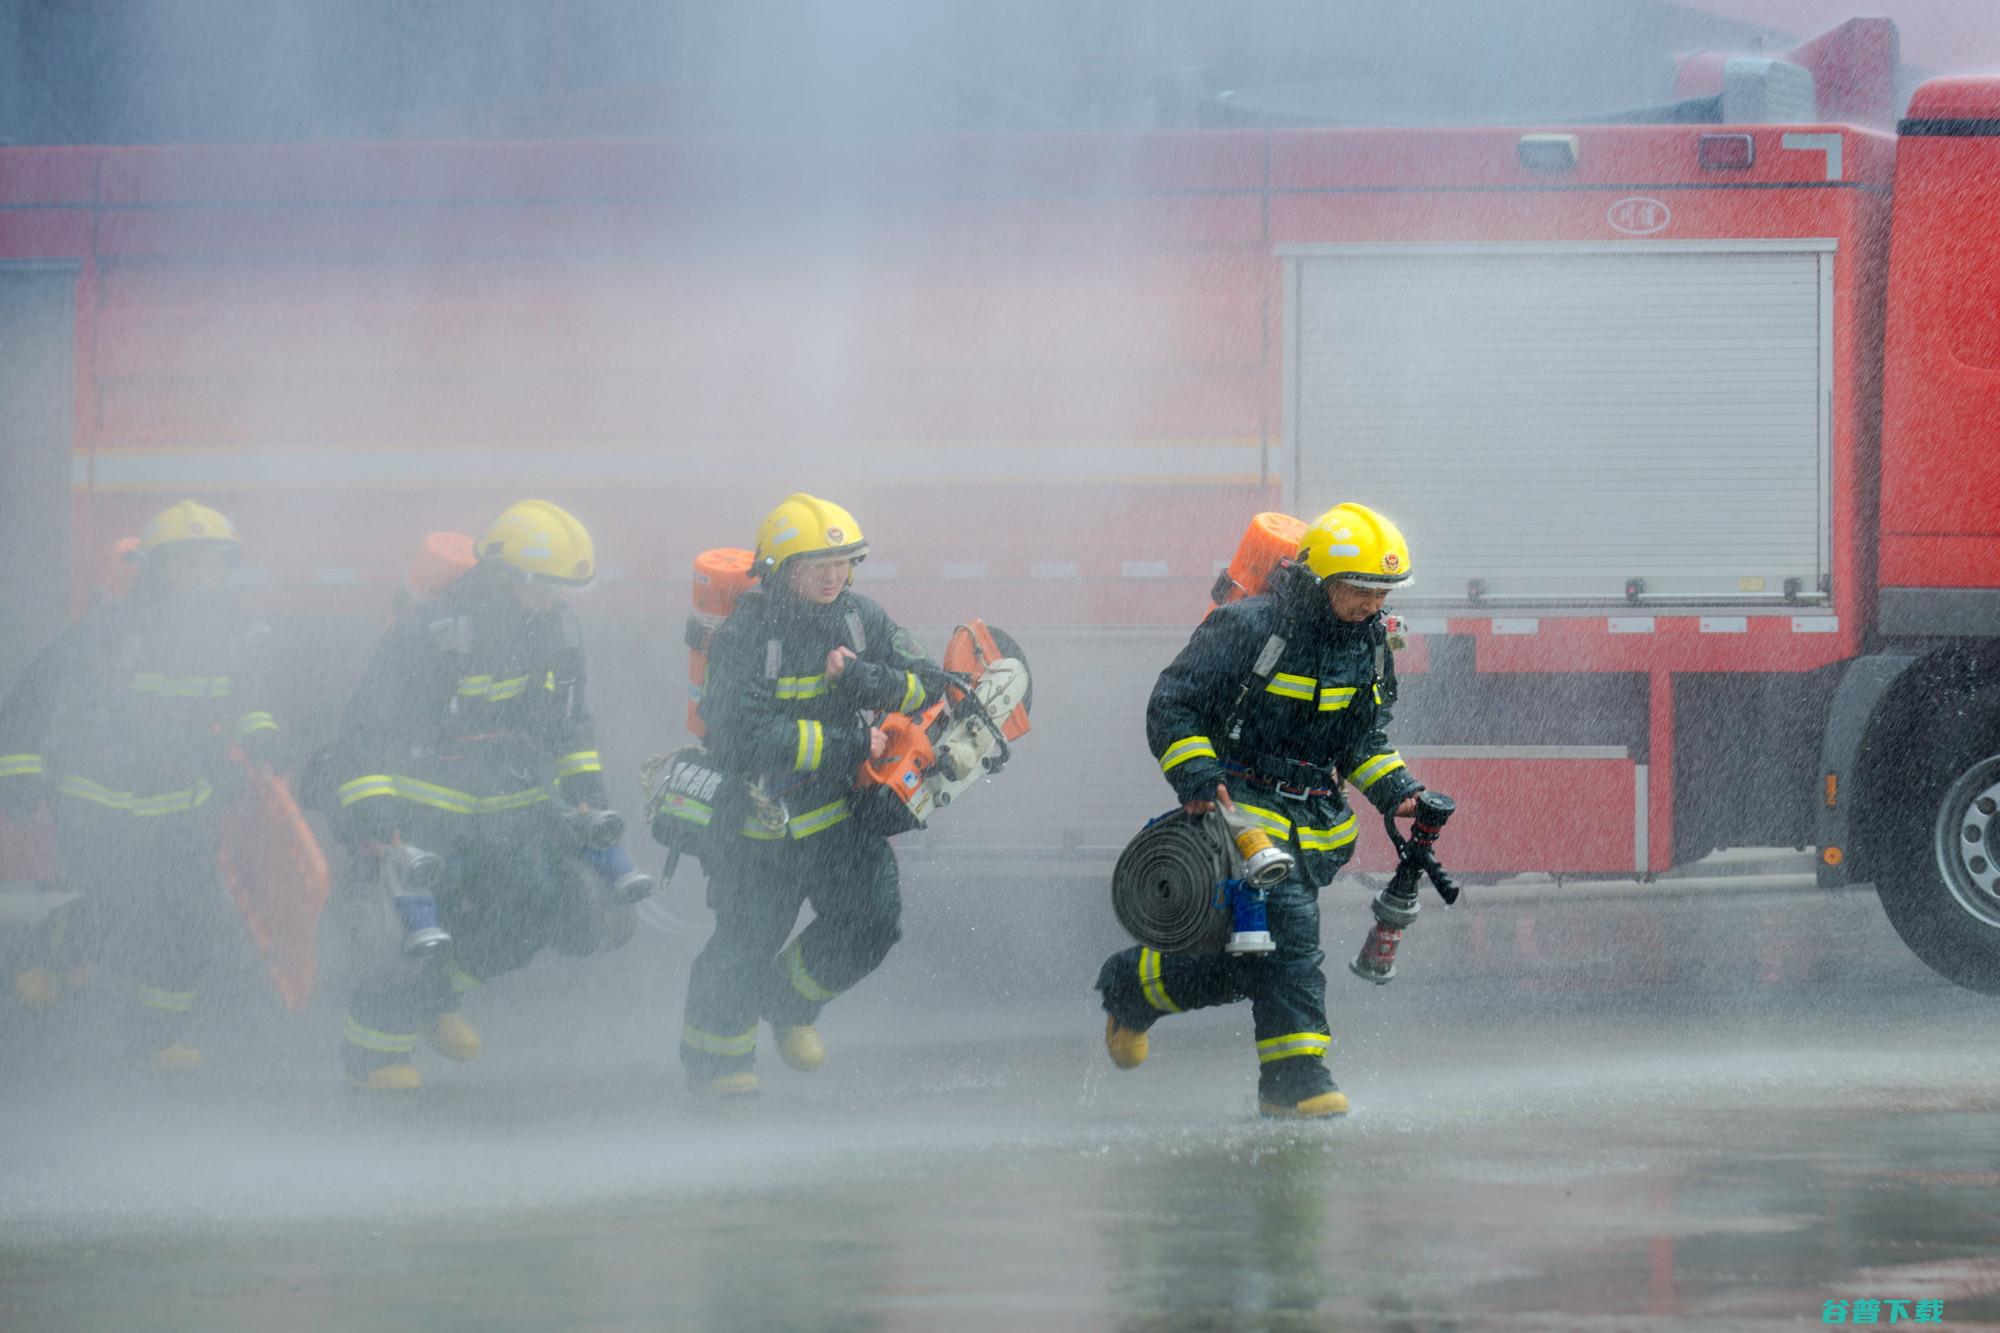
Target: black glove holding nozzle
1396,905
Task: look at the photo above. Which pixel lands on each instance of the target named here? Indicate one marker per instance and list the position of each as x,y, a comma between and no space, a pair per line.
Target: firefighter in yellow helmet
795,675
124,726
1278,739
470,738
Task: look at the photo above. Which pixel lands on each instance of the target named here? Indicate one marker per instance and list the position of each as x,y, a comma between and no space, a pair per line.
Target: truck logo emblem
1638,216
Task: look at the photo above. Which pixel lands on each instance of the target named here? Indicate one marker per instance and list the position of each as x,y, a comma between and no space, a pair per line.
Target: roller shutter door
1555,423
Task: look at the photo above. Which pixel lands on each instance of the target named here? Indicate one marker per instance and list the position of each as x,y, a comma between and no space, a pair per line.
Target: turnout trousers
748,972
152,911
503,899
1286,990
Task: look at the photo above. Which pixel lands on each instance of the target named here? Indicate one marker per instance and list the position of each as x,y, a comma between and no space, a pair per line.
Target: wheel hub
1968,841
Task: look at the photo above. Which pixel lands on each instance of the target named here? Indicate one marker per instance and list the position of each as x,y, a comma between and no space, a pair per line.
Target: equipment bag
684,792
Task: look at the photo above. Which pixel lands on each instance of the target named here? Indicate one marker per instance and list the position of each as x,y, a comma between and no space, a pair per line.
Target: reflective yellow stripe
1327,839
1269,820
370,1039
19,765
181,687
436,797
686,807
251,722
1378,694
164,803
166,1001
801,826
801,687
816,821
1375,769
583,761
461,980
802,982
1292,687
496,691
1333,698
1150,984
913,693
1184,749
812,747
742,1044
1291,1044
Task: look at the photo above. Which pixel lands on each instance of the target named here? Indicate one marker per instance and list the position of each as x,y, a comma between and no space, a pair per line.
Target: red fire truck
1699,457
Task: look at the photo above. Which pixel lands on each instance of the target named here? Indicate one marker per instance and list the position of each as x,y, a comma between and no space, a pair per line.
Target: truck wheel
1940,881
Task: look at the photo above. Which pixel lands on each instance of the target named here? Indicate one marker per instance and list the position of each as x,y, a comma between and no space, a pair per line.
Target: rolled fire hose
1163,888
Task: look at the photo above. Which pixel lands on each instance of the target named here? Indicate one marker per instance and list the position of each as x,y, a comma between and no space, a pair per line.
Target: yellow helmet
1354,544
541,541
806,525
187,525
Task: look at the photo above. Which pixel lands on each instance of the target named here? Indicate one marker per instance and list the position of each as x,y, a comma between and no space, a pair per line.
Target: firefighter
1278,740
126,724
469,737
794,675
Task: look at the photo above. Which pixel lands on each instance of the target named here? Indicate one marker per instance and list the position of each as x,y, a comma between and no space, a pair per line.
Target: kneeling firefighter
126,726
469,767
792,674
1277,700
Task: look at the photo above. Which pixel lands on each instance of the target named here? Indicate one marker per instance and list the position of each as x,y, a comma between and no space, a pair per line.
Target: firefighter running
793,673
126,724
470,737
1277,739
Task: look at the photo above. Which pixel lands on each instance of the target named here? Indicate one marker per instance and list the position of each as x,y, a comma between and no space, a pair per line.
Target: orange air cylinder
439,562
1270,538
720,576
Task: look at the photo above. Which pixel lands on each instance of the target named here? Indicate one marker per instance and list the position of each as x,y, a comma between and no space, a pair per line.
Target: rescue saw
936,755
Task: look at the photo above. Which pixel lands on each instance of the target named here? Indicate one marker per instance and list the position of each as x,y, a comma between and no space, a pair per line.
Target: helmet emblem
197,527
836,535
1392,562
583,569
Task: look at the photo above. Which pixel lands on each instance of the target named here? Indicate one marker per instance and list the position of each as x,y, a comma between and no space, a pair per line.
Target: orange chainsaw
934,755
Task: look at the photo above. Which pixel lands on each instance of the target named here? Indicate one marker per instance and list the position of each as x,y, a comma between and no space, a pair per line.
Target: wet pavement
1714,1105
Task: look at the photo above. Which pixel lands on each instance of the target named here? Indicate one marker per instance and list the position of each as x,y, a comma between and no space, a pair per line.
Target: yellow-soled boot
387,1078
799,1046
1127,1047
1319,1106
37,988
726,1088
175,1059
452,1037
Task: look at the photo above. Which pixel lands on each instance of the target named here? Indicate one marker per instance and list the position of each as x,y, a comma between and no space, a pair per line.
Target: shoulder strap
774,656
857,634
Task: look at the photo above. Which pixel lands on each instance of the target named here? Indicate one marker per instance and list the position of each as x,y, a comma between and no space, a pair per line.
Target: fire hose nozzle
1396,905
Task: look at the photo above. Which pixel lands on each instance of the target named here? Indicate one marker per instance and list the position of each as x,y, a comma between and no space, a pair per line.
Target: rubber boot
1128,1047
728,1088
1299,1089
799,1046
378,1071
175,1059
37,988
453,1038
1320,1106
